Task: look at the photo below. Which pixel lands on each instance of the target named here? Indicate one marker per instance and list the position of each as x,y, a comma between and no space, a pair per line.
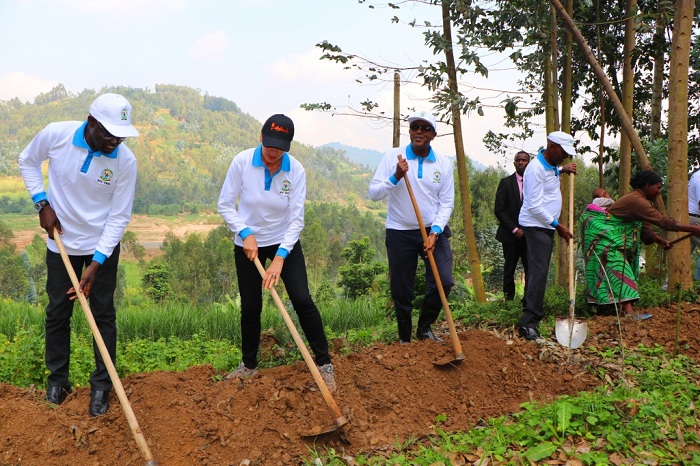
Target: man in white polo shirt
92,178
431,180
538,219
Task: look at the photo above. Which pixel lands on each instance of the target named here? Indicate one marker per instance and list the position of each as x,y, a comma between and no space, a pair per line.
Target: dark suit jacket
507,208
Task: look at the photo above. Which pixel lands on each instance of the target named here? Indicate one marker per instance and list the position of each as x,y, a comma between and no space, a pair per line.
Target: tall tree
469,234
627,93
679,257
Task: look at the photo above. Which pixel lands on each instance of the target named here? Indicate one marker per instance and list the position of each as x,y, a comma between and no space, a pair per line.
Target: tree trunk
601,145
562,246
397,110
470,237
658,82
655,267
627,96
679,267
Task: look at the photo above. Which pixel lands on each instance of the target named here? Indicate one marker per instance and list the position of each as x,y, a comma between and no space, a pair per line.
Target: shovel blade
570,337
322,430
449,360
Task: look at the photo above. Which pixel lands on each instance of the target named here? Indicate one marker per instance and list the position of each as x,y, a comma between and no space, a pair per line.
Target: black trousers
512,252
403,248
540,242
60,310
297,285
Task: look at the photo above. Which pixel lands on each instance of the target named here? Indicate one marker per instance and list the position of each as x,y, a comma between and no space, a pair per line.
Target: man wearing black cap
92,179
539,220
267,222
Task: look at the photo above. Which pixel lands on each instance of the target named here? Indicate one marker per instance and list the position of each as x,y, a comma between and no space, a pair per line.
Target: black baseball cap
278,132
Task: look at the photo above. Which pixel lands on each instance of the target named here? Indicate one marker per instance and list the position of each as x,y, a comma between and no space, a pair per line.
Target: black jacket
507,208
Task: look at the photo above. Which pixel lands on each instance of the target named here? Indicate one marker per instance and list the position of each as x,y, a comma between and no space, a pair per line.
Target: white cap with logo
425,116
113,111
565,140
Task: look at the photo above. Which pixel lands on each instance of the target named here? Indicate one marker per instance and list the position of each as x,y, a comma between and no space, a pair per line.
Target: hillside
186,144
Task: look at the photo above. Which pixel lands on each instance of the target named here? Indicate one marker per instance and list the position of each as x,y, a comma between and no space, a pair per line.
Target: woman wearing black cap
270,187
611,242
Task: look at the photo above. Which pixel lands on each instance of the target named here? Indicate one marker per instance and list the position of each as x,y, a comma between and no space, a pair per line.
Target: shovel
569,332
118,388
339,418
459,354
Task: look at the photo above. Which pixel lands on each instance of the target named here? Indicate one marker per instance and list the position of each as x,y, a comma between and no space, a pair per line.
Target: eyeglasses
425,128
109,136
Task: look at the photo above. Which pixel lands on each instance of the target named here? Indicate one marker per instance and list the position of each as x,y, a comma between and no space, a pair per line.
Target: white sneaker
241,372
326,371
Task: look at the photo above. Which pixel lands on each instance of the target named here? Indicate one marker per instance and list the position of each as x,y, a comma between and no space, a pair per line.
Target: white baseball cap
425,116
565,140
113,112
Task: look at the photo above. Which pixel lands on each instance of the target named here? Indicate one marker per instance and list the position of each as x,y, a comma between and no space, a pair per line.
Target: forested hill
186,144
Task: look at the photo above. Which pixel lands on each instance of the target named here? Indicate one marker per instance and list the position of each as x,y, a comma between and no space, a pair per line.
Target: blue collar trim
410,155
545,164
79,141
258,161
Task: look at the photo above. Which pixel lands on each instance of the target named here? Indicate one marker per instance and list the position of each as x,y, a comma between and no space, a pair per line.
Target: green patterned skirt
611,248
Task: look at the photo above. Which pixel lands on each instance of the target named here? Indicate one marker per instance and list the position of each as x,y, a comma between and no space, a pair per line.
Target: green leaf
541,451
564,416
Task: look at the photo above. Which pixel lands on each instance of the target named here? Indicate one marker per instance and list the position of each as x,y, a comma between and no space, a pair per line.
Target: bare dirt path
390,393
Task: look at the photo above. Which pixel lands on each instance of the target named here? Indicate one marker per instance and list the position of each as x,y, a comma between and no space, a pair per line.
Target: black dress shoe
99,403
57,394
529,334
427,334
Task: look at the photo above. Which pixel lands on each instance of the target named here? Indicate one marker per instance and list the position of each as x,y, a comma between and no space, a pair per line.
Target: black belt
695,215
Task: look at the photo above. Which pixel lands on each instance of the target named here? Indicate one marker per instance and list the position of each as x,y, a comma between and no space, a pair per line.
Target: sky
260,54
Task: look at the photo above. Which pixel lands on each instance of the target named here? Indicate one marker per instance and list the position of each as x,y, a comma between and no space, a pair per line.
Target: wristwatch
40,205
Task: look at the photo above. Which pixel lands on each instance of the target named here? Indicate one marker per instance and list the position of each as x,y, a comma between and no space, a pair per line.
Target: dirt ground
389,394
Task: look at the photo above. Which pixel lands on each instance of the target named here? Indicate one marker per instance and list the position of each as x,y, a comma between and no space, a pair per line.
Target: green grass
22,222
134,274
12,185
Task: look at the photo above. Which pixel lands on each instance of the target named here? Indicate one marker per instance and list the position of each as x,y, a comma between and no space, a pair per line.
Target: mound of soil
389,394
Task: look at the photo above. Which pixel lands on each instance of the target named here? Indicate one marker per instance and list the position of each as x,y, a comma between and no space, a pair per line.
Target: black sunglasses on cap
424,127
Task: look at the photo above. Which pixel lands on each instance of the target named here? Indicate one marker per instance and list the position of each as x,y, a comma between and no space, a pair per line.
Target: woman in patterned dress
612,241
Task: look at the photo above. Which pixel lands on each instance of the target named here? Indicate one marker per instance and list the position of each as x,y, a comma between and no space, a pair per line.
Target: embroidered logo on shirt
286,187
106,176
437,177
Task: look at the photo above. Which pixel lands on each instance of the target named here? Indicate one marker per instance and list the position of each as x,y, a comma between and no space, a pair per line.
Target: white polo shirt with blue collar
267,205
92,193
541,195
432,182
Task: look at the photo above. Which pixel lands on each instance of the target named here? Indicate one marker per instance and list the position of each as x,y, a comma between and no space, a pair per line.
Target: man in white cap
92,178
539,219
430,176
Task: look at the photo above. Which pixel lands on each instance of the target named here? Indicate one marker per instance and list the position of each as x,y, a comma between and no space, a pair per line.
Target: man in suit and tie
509,199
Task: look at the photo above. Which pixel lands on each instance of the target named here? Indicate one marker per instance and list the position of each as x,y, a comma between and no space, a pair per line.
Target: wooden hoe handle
340,419
119,389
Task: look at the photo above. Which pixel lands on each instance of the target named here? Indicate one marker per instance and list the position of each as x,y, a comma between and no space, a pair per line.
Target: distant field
12,185
150,231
